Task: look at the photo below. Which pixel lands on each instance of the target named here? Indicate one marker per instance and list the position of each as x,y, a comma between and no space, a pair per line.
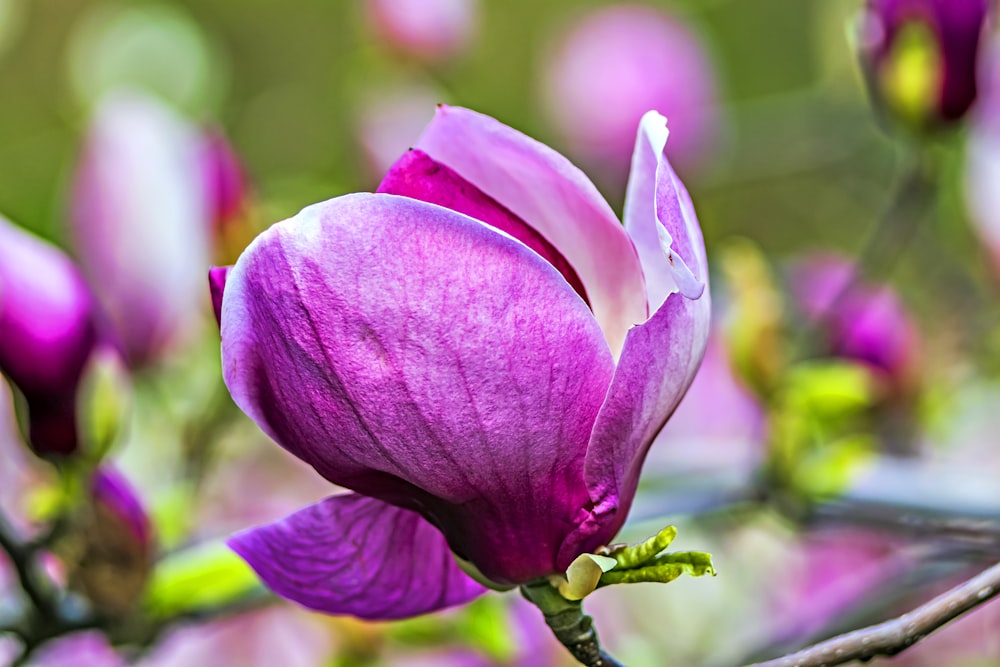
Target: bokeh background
774,134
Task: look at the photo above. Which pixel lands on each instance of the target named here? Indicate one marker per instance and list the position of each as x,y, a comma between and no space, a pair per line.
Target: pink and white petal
413,354
660,219
660,357
553,196
350,554
419,176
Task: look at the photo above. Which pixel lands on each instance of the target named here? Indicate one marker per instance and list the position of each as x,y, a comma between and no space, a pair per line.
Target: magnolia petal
660,219
553,196
415,355
354,555
660,357
419,176
217,276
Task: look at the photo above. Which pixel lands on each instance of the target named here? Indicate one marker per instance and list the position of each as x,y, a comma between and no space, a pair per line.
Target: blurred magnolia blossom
982,158
718,426
390,121
49,330
426,29
150,196
613,64
261,638
919,56
828,573
857,320
89,649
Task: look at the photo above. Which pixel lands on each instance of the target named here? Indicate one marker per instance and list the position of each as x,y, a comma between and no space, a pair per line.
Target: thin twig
894,636
25,564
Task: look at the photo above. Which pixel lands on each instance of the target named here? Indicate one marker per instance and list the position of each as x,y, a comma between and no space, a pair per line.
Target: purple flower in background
47,333
222,174
142,222
113,557
982,155
954,27
479,350
861,321
425,29
613,65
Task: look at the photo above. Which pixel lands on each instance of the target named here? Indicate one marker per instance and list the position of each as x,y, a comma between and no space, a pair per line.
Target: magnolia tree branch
898,634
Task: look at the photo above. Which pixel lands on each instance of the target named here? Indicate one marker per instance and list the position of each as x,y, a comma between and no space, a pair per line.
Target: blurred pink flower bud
224,179
982,175
141,222
919,56
390,122
111,545
426,29
861,321
615,64
47,332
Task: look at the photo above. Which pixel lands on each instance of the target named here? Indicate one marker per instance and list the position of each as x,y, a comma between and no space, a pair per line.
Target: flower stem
574,629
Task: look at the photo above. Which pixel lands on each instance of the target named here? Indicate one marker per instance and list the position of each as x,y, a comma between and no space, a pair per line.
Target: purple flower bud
112,546
425,29
860,321
225,182
141,222
480,351
47,333
613,65
113,493
920,56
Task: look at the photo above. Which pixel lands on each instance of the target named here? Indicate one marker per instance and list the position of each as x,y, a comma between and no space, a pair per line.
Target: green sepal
664,569
639,554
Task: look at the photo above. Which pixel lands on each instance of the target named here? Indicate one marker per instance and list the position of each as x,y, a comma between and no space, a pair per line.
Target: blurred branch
22,557
894,636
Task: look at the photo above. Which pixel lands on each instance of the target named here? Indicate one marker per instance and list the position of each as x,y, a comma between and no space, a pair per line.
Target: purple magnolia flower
142,221
479,350
861,322
613,65
955,25
47,333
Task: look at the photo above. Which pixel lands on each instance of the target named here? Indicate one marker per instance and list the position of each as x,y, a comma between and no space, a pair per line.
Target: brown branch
898,634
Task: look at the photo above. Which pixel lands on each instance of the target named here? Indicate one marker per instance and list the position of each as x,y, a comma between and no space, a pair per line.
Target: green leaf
202,576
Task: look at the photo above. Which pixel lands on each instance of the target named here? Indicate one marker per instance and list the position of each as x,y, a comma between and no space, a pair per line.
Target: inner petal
418,176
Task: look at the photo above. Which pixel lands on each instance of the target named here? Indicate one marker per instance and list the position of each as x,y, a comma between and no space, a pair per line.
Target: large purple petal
413,354
661,356
350,554
544,189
